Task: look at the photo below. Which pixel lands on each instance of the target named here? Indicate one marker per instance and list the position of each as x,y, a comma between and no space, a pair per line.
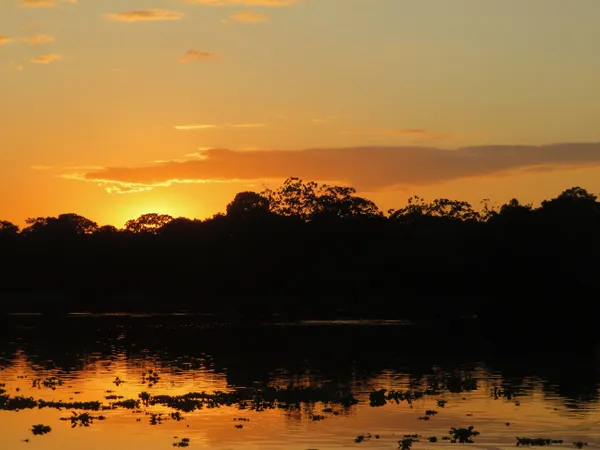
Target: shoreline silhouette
308,250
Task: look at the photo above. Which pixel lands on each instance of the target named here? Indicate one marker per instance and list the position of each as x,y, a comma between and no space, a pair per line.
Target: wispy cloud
125,187
37,3
242,2
201,126
208,126
415,135
366,168
42,3
247,17
45,59
5,40
248,125
38,39
146,15
196,55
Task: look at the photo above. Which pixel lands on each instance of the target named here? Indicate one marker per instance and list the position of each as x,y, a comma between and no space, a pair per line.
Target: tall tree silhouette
309,200
149,223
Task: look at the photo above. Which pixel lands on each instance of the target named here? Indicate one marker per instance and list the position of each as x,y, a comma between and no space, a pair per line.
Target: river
281,385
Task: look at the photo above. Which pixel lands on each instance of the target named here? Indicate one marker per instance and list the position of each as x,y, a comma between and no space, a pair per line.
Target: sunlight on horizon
146,83
120,216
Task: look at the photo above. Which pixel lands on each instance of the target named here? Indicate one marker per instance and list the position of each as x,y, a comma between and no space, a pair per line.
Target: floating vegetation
254,399
118,381
537,441
366,437
90,406
40,429
176,416
362,437
408,396
407,442
18,403
156,419
463,435
145,397
151,377
83,419
51,383
377,398
436,386
184,442
300,401
127,404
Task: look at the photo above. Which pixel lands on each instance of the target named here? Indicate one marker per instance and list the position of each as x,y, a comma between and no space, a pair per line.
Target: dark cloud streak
366,168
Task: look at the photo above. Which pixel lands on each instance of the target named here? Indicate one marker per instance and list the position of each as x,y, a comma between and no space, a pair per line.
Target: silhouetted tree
107,230
309,248
514,211
8,229
309,200
148,223
64,225
575,202
248,204
418,209
181,227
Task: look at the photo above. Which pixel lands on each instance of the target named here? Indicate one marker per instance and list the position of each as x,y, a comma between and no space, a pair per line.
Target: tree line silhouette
312,250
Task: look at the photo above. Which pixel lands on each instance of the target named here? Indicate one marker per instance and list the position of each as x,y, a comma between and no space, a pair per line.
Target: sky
115,108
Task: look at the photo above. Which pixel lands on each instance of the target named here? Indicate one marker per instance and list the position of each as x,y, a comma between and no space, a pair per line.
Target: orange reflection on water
499,420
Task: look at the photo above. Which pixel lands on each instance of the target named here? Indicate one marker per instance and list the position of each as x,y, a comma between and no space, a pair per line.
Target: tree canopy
315,247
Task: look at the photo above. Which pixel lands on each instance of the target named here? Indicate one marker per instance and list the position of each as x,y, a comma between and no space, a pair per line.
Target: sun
135,205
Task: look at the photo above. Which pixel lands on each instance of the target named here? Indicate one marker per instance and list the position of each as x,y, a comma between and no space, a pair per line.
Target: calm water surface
554,392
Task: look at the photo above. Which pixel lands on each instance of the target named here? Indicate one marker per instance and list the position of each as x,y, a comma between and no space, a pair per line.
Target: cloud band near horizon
365,168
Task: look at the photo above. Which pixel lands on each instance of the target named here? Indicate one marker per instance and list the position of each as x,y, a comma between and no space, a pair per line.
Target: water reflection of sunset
532,414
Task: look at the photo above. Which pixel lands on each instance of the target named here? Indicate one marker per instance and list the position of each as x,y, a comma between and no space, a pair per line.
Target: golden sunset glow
115,108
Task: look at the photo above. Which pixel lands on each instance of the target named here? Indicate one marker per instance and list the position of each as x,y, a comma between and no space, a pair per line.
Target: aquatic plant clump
463,435
83,419
151,377
407,442
40,429
51,383
365,437
537,441
184,442
436,385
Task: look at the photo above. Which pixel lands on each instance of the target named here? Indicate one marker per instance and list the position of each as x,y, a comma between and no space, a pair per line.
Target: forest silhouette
313,250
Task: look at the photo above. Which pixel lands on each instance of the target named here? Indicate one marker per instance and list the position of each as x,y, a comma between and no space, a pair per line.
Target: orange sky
115,108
